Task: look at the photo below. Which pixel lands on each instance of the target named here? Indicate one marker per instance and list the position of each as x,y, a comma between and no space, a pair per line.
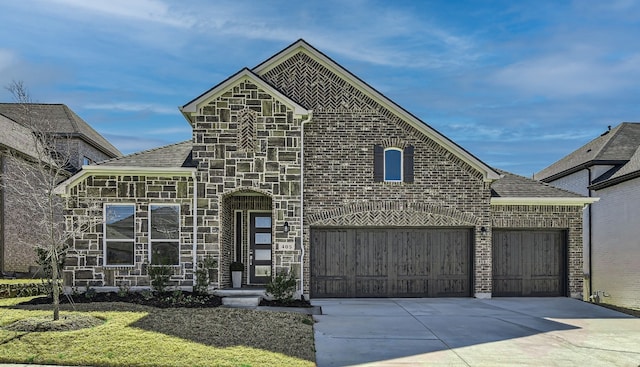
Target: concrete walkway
472,332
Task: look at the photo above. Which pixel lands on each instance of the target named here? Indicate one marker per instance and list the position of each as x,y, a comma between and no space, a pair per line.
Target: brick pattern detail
314,86
568,218
394,213
247,130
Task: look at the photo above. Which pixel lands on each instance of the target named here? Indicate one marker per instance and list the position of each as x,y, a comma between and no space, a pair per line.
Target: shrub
159,276
282,287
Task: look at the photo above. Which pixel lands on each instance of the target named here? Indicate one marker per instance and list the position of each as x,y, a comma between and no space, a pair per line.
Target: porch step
241,297
238,292
241,301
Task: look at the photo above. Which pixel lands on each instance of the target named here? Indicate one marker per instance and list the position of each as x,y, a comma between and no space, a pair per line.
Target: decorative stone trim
392,213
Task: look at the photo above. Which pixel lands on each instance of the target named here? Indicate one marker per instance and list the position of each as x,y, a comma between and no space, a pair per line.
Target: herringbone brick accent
247,130
393,213
314,86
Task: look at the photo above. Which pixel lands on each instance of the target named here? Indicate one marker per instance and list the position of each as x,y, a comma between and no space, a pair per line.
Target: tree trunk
56,285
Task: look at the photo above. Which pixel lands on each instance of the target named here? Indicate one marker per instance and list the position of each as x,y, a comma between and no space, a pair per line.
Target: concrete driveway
472,332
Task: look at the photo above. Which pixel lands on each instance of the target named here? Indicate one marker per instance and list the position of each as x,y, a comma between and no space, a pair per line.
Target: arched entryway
247,228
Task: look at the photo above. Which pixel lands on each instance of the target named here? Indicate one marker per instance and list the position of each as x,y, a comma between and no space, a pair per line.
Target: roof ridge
73,121
501,171
141,152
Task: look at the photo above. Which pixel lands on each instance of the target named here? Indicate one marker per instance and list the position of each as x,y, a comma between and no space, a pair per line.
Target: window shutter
408,164
378,163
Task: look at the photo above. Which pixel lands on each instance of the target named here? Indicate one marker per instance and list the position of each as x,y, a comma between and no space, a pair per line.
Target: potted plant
236,273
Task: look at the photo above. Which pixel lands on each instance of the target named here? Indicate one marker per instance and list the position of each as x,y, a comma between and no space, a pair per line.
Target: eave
191,109
86,171
575,201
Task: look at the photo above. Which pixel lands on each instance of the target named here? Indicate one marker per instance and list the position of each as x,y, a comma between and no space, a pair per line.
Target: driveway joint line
434,334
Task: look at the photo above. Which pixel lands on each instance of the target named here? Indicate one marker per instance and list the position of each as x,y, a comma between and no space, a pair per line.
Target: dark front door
390,262
528,263
260,244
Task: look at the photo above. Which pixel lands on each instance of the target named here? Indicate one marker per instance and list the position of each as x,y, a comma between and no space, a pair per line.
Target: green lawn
134,335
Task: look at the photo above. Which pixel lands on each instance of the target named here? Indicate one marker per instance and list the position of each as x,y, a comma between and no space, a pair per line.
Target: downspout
195,225
302,201
590,235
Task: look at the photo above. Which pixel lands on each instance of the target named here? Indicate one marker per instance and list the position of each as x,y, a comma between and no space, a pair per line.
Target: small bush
159,276
282,287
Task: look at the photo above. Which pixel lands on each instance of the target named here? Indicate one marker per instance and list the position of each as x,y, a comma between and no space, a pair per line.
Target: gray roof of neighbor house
514,186
59,119
168,156
616,146
619,174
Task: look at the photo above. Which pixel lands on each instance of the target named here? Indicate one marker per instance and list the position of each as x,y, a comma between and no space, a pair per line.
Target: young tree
32,170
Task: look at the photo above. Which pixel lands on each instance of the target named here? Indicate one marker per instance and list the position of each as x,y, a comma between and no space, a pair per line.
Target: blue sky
517,83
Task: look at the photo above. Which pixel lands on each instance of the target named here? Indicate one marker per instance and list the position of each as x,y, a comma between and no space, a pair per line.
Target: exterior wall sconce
483,230
286,227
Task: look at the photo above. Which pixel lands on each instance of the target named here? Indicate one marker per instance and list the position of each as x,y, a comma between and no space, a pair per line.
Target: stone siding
84,265
247,143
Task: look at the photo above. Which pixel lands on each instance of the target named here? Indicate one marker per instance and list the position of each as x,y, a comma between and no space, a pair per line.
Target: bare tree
32,170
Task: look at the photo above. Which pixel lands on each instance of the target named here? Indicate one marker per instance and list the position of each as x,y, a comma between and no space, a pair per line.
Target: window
119,234
87,161
164,234
392,164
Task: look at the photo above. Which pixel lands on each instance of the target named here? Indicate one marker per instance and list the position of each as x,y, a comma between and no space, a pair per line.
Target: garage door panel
528,263
393,262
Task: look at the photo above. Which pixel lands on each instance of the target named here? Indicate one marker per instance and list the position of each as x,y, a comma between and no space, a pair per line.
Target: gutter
302,201
570,201
194,174
590,225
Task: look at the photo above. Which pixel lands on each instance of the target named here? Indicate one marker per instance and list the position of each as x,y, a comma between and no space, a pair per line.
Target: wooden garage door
390,262
528,263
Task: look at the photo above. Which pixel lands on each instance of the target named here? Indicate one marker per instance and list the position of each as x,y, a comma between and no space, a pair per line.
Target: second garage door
390,262
528,263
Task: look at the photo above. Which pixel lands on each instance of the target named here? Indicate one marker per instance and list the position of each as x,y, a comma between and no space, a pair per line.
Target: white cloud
145,10
7,59
134,107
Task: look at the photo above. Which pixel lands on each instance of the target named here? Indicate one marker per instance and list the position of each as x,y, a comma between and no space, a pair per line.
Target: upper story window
119,234
164,234
392,164
87,161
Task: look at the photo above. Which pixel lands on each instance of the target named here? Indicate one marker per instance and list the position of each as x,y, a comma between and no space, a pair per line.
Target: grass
135,335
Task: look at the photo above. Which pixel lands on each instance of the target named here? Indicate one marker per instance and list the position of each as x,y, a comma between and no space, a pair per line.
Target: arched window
393,165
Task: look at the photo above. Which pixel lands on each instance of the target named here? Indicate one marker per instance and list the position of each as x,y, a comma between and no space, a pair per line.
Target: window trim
105,240
384,170
151,240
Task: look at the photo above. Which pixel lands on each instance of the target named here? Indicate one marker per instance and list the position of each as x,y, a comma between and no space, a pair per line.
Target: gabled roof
194,105
614,147
169,160
302,46
618,174
60,120
174,155
515,189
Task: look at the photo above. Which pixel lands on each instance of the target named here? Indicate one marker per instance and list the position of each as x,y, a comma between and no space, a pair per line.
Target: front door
260,239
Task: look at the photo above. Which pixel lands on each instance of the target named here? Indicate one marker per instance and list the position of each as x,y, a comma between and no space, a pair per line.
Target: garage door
528,263
390,262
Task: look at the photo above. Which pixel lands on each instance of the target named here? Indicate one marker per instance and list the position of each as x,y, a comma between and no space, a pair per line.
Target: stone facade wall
84,265
568,218
248,143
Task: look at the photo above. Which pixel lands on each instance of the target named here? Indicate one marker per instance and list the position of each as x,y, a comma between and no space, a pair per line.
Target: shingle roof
168,156
619,174
514,186
613,147
59,119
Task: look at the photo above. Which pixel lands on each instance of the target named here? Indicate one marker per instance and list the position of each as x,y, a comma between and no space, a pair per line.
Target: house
607,167
297,165
75,140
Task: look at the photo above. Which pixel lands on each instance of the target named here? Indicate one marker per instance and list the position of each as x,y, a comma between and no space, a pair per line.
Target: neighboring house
74,139
607,167
297,165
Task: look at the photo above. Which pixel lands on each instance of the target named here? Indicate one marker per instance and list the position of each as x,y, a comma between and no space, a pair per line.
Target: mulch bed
161,300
